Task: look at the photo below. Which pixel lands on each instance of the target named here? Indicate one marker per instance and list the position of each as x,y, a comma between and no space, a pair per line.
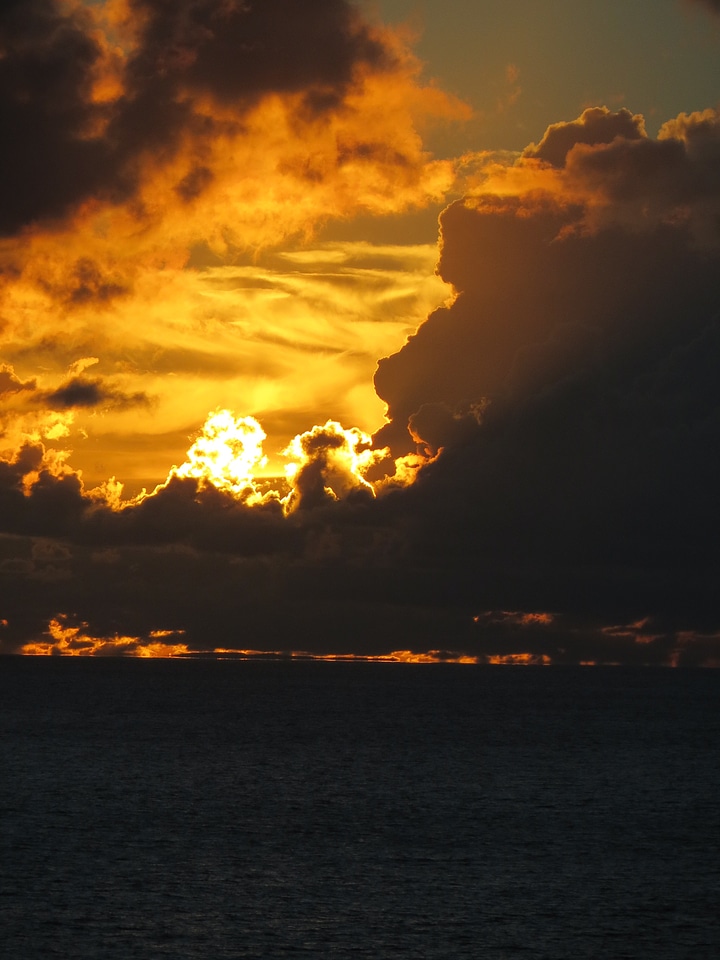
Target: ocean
202,810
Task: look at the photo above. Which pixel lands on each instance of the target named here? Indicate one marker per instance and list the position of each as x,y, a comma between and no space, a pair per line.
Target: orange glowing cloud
227,454
395,656
329,462
290,342
72,641
325,463
154,263
606,167
519,660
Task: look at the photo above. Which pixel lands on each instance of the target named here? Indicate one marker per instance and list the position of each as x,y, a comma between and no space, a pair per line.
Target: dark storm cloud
55,506
238,51
596,125
547,288
533,310
47,161
60,147
84,391
571,395
367,577
206,519
656,176
608,158
589,485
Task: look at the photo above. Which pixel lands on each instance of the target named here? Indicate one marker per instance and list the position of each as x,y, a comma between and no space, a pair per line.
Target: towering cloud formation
588,251
545,486
587,317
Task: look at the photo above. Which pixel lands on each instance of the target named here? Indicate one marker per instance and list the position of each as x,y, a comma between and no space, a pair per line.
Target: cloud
148,104
91,392
597,125
10,383
46,112
292,339
176,54
712,5
623,178
557,417
592,341
153,177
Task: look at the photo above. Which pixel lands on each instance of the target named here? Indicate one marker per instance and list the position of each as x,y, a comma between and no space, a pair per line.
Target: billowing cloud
588,486
146,107
49,158
544,487
615,174
148,169
597,125
91,108
291,339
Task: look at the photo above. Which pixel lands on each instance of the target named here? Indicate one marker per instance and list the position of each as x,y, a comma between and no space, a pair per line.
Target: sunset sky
381,329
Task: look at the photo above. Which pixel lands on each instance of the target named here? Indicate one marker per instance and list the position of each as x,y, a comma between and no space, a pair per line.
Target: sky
383,330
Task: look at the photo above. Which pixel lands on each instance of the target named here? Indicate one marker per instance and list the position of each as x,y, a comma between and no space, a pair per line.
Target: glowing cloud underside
227,453
68,640
325,463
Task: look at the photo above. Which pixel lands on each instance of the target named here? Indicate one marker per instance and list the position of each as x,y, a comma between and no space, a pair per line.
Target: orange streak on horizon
72,641
520,659
396,656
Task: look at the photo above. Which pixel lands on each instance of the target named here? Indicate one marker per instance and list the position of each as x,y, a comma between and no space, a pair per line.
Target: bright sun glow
346,454
327,461
228,453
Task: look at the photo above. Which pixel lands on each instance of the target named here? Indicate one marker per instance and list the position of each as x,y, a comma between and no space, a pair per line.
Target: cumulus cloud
558,417
607,167
587,486
597,125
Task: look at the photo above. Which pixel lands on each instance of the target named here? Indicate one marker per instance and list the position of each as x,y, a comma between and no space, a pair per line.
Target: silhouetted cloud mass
594,335
597,125
559,415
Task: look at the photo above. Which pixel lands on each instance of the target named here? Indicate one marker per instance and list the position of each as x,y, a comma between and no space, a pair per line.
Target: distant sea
202,810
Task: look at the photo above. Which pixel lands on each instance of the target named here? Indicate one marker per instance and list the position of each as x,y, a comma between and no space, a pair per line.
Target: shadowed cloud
91,392
66,141
550,489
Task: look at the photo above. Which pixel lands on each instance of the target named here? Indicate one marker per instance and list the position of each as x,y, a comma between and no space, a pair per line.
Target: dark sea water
201,809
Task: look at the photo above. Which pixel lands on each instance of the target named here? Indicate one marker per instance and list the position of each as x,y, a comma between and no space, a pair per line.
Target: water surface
203,809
